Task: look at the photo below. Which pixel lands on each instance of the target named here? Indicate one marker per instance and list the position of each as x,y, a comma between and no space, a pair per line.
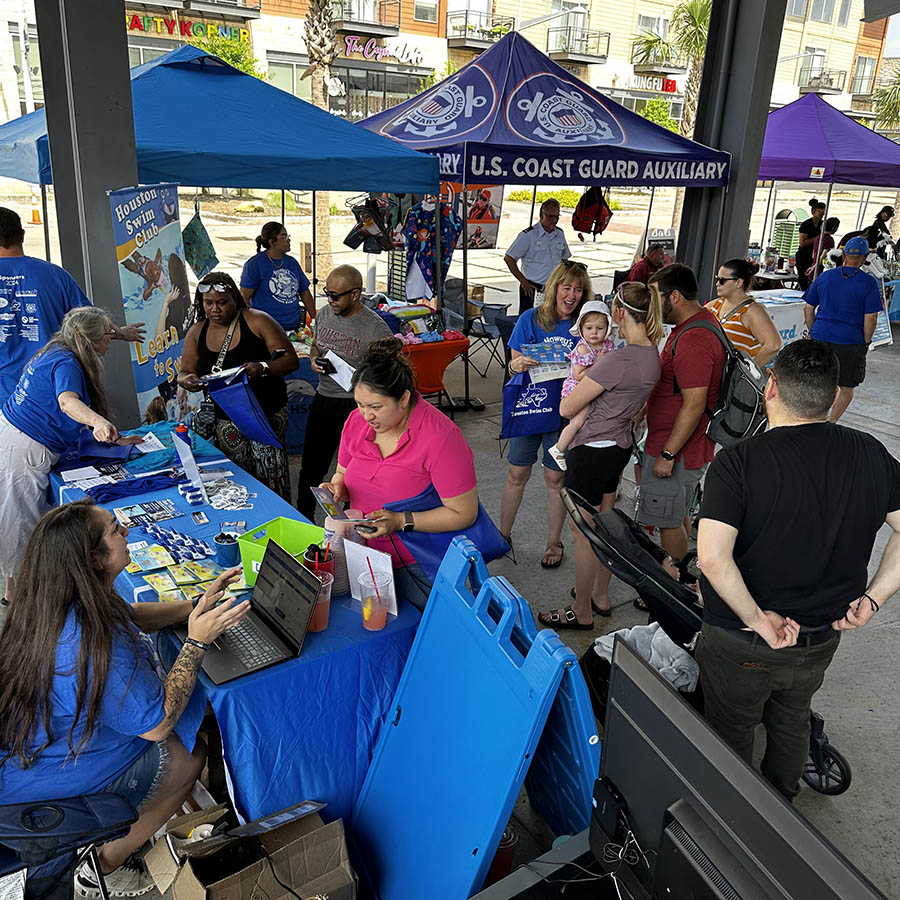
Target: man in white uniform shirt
541,248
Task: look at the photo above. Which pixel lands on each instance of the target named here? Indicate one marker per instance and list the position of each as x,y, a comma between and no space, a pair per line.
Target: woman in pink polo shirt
395,446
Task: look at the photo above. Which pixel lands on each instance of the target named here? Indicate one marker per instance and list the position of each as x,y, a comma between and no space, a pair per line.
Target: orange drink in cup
374,590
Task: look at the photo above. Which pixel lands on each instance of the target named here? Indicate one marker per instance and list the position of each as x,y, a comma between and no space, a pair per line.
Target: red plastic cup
319,620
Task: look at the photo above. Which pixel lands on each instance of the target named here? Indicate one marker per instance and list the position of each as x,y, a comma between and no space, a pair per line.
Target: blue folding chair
51,838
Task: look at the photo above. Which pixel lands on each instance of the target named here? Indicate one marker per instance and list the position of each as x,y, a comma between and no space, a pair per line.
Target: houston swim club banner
155,287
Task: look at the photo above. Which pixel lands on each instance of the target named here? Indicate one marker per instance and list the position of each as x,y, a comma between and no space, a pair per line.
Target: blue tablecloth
304,729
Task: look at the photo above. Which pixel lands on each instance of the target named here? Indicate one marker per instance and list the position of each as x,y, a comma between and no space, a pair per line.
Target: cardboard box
307,855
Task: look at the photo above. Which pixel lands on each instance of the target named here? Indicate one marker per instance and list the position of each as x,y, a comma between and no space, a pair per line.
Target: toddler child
592,327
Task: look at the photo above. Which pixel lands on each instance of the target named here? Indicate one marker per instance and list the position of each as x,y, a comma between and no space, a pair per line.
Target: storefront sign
371,49
183,29
652,83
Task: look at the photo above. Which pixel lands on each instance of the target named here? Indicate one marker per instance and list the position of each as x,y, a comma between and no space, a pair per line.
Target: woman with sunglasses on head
567,289
743,319
60,392
273,282
614,390
250,338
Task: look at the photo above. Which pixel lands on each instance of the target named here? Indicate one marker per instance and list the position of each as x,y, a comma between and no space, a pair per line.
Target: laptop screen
285,594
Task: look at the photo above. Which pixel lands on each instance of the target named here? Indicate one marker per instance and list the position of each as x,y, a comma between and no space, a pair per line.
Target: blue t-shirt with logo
132,704
277,288
34,297
842,300
33,406
528,331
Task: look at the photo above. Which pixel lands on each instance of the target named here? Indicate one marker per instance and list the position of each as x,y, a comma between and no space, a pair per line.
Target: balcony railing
378,17
656,63
574,44
474,30
862,85
248,8
822,81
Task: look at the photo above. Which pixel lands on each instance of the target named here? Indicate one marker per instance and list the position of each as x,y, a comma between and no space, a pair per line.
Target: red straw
317,562
327,548
374,582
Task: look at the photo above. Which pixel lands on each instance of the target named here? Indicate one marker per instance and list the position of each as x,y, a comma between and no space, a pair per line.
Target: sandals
511,553
558,563
606,613
566,620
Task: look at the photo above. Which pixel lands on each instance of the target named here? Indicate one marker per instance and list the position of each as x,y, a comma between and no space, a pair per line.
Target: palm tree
686,39
322,51
886,103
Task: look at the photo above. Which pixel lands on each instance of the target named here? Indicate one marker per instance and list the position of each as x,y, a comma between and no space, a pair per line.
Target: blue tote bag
428,549
239,403
530,408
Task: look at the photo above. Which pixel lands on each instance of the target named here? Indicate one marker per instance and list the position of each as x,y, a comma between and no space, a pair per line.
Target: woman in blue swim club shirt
59,393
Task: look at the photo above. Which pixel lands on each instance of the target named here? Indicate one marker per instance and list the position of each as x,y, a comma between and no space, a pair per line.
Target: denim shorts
140,781
523,450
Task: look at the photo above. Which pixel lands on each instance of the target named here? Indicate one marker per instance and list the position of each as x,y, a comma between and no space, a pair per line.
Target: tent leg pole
282,206
46,222
719,223
314,280
531,214
646,240
818,253
466,401
762,239
863,205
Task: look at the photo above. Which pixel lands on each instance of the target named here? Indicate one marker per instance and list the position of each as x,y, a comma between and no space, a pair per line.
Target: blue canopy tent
200,122
514,116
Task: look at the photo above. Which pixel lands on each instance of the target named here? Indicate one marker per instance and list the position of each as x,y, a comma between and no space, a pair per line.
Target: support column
90,126
738,72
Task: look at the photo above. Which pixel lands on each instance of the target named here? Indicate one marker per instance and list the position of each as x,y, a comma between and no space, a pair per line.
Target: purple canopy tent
811,141
514,116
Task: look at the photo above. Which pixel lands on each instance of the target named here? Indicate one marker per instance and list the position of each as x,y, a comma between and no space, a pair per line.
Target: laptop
274,627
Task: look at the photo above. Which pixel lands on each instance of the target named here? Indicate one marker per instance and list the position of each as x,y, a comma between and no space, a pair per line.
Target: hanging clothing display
372,228
419,234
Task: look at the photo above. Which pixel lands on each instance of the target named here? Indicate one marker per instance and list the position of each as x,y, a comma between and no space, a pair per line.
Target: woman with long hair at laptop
82,706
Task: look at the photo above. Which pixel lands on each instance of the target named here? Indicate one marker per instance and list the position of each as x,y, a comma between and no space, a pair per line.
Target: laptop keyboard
250,646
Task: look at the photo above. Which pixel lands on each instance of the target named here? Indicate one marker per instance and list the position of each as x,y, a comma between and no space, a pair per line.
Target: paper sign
358,558
79,474
149,443
189,464
343,373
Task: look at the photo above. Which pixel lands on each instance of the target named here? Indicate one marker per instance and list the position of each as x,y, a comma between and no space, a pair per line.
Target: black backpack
592,214
740,411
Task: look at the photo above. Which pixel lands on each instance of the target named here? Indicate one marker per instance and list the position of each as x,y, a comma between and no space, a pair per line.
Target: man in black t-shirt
787,526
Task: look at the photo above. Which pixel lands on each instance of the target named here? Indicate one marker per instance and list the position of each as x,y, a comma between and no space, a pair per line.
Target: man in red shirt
677,450
648,264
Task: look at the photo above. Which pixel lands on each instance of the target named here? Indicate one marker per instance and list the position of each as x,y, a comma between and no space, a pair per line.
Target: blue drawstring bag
241,406
428,549
91,452
530,408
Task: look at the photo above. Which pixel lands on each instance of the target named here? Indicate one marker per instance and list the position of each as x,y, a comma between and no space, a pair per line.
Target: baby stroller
629,553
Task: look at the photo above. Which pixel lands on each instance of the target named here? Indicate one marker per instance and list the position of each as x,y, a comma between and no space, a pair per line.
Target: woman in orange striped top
745,321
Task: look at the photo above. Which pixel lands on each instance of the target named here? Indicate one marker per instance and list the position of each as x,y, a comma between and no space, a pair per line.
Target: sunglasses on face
335,295
218,288
720,280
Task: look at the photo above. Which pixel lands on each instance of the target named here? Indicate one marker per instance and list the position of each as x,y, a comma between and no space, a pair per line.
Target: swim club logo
284,286
453,109
547,109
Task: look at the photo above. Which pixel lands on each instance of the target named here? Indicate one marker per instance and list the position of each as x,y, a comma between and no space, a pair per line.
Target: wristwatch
409,524
668,457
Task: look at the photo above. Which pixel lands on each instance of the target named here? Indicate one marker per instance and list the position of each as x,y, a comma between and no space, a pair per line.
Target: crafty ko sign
355,46
182,29
155,290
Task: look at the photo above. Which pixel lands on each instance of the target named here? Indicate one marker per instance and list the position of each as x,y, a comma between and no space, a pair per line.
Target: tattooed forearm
179,684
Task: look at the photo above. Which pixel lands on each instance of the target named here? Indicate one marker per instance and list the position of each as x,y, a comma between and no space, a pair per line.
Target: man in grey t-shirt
346,328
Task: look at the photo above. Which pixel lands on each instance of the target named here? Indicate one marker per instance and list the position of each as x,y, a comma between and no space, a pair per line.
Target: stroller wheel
832,777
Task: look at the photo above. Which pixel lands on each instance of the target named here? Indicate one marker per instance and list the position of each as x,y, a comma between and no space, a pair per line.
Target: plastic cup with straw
374,605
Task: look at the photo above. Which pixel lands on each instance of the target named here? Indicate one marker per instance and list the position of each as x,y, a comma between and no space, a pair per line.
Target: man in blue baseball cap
842,307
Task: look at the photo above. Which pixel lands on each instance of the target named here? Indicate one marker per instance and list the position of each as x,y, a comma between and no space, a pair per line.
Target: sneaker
559,457
129,880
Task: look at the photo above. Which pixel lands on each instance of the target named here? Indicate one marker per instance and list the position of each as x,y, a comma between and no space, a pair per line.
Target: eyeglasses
218,288
335,295
720,280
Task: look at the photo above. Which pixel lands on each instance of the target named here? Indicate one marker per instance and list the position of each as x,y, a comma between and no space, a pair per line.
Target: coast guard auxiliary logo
454,108
547,109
